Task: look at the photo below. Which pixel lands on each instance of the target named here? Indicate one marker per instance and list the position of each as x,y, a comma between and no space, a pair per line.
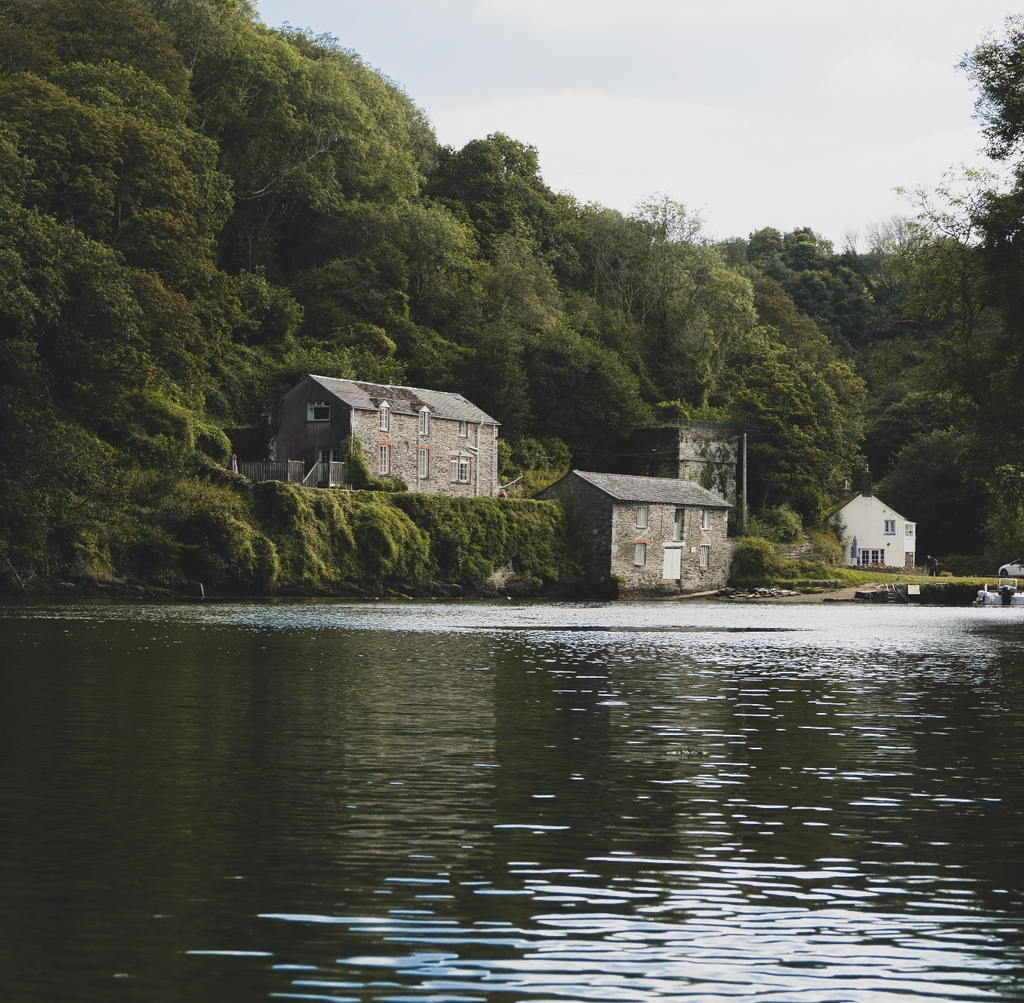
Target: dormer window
385,416
318,411
424,421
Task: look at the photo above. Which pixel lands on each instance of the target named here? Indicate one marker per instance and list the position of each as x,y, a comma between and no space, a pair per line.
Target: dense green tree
916,414
926,484
803,429
495,183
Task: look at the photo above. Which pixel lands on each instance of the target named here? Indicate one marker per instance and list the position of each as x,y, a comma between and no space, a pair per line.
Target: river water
444,802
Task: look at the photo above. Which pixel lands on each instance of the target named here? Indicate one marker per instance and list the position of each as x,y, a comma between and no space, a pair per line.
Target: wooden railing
273,470
795,551
320,475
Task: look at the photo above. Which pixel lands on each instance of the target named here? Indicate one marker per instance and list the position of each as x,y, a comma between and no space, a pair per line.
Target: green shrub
755,558
827,549
777,524
470,537
337,535
967,566
176,528
361,479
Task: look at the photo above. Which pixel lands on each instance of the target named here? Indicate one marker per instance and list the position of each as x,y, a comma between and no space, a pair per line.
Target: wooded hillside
197,209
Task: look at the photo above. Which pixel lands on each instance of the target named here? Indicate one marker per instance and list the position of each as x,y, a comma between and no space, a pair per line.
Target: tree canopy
196,209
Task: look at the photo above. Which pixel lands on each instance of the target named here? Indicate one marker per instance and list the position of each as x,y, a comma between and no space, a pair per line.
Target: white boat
1005,593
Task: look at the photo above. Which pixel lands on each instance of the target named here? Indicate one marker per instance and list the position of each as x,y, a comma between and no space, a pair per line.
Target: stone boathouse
658,535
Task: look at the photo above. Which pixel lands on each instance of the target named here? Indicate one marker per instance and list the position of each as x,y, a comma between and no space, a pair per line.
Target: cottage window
643,514
908,530
384,455
890,527
330,455
424,421
424,463
318,411
872,557
385,417
705,518
640,553
464,429
461,469
705,555
677,524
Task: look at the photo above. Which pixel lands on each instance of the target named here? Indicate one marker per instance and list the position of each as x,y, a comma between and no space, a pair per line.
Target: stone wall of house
705,452
708,454
648,578
298,438
597,508
443,441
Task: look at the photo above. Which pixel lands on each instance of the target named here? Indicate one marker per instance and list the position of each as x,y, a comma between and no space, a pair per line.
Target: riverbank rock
755,593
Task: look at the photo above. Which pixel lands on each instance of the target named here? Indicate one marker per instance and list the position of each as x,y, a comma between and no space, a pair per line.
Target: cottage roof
666,490
860,499
403,400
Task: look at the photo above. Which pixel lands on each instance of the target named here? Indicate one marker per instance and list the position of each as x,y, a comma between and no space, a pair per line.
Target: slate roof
839,506
665,490
403,400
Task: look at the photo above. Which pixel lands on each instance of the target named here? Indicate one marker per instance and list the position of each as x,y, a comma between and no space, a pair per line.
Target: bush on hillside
338,535
755,558
777,524
967,566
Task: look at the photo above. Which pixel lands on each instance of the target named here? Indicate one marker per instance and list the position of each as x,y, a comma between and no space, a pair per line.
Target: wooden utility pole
744,483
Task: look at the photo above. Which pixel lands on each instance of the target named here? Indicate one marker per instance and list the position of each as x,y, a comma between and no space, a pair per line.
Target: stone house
660,535
875,533
438,443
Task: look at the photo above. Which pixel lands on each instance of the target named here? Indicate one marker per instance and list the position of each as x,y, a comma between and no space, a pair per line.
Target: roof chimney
865,482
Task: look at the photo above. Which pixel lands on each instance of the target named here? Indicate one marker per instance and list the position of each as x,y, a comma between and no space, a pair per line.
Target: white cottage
875,533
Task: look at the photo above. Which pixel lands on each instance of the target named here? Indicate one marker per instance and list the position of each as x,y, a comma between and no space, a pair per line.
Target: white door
673,563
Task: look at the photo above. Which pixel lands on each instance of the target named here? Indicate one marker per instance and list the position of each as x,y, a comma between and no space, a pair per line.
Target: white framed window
424,463
384,457
908,529
330,455
705,555
705,518
424,421
318,411
385,417
461,469
677,525
872,557
643,515
639,554
463,429
890,527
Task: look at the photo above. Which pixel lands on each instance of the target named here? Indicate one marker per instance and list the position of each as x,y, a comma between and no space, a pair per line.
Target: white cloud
741,171
890,72
883,17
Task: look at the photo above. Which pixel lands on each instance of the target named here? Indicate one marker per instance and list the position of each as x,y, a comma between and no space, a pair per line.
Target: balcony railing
320,475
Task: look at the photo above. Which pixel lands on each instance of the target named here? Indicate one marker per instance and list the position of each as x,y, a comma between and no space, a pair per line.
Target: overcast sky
757,113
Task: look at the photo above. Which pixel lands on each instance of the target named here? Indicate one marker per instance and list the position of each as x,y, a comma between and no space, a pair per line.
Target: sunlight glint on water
443,802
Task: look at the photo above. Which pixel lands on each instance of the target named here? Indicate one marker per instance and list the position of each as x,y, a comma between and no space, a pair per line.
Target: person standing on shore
932,564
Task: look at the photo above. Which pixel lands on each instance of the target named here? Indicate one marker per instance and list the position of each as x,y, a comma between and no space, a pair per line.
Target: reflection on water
444,802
